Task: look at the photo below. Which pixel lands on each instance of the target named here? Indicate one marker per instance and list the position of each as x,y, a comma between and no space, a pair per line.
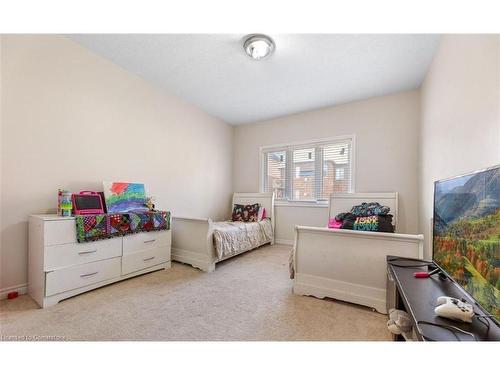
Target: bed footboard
348,265
192,242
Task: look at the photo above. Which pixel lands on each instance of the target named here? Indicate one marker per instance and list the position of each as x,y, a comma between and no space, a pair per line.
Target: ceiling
305,72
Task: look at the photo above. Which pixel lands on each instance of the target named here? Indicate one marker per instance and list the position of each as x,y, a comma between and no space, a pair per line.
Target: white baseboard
281,241
21,289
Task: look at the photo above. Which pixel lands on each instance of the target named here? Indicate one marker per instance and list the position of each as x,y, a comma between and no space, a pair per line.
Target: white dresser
59,267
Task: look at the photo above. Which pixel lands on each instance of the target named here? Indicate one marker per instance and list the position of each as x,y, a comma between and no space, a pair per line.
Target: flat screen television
466,235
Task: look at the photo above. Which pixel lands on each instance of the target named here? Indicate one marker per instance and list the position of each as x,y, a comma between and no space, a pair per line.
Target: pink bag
334,223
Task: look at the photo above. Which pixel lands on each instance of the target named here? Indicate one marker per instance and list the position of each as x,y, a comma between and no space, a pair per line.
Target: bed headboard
343,202
266,200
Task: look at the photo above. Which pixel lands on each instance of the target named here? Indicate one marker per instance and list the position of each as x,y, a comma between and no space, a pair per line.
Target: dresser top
51,217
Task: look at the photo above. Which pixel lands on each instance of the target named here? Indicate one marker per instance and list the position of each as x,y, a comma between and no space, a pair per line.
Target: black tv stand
431,267
418,298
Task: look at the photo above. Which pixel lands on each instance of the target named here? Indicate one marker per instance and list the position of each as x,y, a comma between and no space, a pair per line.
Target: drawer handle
150,241
145,260
89,274
87,252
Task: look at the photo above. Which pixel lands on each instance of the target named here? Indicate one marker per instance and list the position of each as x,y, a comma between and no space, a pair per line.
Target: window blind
275,174
303,174
308,172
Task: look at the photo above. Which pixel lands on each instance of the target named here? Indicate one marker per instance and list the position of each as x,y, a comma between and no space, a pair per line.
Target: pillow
247,213
262,214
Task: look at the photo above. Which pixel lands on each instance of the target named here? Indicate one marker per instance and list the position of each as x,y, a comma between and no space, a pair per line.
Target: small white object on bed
350,265
193,238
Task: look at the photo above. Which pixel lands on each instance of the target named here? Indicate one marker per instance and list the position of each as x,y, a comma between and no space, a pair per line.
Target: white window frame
340,176
288,147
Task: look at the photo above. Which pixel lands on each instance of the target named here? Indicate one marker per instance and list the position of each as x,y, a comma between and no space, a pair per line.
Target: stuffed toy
399,322
149,203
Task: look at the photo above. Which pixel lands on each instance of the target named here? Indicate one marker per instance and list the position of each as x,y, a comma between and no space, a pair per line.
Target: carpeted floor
248,297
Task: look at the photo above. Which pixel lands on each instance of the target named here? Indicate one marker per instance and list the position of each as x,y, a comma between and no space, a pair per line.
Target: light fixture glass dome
258,46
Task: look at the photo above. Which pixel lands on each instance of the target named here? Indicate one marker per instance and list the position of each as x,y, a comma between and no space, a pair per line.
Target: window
275,173
304,181
308,172
339,174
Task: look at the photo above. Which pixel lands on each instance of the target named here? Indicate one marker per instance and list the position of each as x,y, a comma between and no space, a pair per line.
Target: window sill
278,203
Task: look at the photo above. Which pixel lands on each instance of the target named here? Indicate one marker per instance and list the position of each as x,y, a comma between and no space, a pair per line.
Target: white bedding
233,237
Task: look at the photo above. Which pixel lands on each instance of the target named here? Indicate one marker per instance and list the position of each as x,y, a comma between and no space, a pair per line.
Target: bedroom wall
460,129
1,173
386,130
72,119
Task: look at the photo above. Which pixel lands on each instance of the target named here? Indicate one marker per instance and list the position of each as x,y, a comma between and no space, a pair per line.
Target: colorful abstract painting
124,196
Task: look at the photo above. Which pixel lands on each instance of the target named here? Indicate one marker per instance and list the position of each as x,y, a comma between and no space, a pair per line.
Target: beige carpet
248,297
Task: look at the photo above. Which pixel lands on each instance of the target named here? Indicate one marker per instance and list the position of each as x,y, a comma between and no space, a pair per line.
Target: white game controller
453,308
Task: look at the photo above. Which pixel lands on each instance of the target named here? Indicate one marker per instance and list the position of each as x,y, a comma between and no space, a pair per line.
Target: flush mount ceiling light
258,46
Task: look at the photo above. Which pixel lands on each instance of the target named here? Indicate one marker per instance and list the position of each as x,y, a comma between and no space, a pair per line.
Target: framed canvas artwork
124,196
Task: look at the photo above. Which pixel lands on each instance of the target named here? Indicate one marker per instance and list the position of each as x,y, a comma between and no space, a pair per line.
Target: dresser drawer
145,240
78,276
60,256
57,232
144,259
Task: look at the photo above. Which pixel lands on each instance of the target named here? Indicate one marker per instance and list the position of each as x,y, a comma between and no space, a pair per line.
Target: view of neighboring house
313,173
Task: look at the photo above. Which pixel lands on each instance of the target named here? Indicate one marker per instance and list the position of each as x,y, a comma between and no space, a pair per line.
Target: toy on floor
12,295
399,322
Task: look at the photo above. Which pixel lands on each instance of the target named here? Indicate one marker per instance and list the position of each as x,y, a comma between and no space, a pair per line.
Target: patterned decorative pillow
248,213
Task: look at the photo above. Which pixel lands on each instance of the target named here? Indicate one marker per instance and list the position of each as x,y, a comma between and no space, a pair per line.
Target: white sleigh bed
192,238
350,265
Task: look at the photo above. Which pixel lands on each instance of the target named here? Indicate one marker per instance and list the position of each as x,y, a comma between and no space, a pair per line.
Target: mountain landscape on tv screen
467,234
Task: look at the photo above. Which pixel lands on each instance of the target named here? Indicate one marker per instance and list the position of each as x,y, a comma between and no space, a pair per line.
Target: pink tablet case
87,211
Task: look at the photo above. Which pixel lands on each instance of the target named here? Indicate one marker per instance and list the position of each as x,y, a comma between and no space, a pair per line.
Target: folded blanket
372,217
374,223
102,226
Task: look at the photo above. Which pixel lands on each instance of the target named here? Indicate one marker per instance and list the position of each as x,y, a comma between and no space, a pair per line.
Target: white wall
460,129
386,130
71,119
1,153
54,93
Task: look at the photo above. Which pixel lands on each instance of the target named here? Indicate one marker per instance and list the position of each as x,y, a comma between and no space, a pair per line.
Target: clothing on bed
233,237
372,217
333,223
370,209
374,223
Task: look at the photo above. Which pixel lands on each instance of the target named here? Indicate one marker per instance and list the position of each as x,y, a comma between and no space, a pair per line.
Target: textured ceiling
306,71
